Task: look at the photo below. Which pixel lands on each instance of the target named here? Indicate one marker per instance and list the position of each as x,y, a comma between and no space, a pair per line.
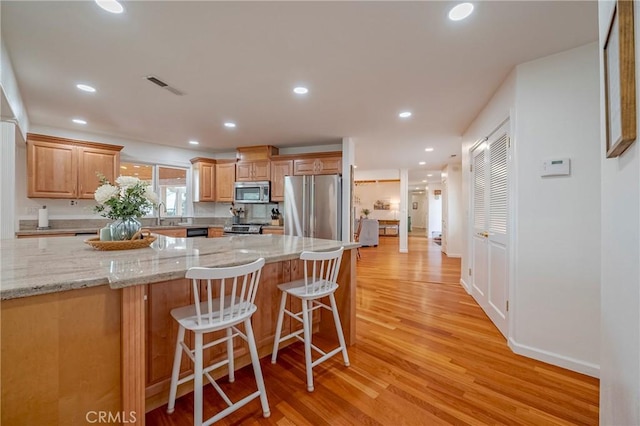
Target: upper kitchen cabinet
204,179
249,171
279,169
329,163
67,168
225,178
254,163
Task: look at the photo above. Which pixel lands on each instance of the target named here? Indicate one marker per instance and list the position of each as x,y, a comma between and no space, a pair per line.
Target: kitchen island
87,331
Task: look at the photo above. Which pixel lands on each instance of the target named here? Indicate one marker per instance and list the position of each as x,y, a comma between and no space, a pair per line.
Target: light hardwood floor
425,354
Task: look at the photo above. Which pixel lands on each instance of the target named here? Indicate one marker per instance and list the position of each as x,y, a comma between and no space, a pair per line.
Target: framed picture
619,80
382,205
415,205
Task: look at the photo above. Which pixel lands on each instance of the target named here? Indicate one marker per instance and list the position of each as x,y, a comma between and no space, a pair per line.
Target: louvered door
490,282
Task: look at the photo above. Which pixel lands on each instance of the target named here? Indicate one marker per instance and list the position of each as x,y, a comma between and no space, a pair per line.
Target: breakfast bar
86,332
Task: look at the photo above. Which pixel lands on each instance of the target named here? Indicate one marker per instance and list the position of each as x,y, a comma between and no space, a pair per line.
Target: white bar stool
238,286
320,280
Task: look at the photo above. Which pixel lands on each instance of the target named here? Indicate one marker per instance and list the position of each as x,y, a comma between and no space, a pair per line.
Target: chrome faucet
159,218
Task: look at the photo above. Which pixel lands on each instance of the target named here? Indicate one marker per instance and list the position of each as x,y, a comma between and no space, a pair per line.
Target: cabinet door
262,170
207,176
306,166
92,161
175,233
244,172
225,178
52,170
215,233
273,231
328,166
279,169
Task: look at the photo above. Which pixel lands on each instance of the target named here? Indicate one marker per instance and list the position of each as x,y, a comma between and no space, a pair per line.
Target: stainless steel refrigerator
313,206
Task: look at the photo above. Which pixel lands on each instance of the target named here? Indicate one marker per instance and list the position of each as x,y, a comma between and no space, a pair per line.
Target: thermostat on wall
556,167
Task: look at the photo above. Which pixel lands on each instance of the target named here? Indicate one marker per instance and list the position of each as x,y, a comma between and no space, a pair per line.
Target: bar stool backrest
321,270
234,288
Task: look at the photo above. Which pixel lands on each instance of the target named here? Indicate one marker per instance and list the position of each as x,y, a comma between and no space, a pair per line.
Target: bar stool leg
306,322
257,371
232,372
276,341
175,375
336,319
197,381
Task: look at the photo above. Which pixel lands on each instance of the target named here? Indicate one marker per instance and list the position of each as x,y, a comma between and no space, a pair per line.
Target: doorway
490,226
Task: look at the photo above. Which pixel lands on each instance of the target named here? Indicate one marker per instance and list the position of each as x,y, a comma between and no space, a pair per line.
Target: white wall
435,211
552,103
367,193
452,211
620,274
558,230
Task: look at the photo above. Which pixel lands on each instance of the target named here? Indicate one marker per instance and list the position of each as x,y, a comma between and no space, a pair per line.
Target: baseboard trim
569,363
466,286
455,255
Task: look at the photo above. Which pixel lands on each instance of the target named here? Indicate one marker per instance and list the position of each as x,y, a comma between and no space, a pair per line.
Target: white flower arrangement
129,197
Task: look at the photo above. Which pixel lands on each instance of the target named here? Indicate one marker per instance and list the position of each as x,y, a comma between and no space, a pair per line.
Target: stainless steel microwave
251,192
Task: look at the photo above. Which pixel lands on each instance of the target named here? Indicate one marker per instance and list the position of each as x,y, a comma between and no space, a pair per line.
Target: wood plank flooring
425,354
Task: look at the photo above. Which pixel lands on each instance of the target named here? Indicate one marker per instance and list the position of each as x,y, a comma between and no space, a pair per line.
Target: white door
490,284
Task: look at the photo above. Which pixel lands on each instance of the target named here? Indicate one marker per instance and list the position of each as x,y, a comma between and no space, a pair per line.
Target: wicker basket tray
139,240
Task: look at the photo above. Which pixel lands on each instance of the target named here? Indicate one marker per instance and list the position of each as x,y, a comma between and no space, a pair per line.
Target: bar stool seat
237,287
320,281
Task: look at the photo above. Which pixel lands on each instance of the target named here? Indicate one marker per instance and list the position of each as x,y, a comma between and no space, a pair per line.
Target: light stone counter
35,266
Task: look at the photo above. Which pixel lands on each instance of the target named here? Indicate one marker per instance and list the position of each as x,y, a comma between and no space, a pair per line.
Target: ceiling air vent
155,80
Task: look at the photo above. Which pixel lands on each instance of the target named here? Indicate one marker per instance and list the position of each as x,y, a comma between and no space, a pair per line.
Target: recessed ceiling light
355,167
424,181
300,90
79,121
230,124
428,149
422,163
110,6
405,114
194,142
429,175
85,88
460,11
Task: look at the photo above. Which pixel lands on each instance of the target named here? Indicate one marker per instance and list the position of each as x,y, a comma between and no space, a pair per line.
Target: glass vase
125,228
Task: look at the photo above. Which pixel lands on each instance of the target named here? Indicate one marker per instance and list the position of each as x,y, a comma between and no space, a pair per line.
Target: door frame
511,218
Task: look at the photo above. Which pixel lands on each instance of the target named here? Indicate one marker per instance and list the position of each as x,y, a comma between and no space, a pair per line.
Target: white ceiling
364,62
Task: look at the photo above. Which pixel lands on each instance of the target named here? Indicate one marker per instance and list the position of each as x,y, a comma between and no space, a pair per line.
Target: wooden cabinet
204,179
66,168
215,233
174,232
250,171
225,178
279,169
273,231
317,166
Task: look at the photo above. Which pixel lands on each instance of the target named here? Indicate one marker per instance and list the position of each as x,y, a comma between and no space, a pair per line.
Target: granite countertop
33,266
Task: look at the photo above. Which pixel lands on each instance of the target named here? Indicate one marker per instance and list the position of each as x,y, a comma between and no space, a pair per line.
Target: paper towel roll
43,217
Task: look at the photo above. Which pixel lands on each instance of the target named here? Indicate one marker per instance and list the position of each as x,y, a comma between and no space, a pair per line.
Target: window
170,183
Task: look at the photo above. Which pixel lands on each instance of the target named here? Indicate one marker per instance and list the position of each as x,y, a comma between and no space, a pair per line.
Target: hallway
425,354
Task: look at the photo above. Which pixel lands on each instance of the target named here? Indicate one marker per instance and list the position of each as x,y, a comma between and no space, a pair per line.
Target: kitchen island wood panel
61,357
